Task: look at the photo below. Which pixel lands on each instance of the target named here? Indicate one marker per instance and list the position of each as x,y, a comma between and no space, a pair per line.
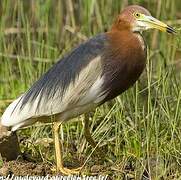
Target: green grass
140,131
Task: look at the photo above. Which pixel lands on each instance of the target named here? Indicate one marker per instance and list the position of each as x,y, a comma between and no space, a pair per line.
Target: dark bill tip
171,30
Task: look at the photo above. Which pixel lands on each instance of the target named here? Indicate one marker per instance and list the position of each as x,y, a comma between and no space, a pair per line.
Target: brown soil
23,168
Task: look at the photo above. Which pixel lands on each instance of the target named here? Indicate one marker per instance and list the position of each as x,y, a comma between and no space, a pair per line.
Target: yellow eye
137,15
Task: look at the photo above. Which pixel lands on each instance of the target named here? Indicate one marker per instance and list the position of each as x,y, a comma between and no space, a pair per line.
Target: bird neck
127,46
126,39
124,61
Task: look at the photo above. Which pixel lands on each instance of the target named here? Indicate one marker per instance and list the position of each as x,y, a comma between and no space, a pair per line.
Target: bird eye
137,15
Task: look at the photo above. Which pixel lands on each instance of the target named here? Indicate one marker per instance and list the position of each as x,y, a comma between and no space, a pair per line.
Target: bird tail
11,117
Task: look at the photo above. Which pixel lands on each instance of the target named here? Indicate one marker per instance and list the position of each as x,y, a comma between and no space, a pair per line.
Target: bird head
138,19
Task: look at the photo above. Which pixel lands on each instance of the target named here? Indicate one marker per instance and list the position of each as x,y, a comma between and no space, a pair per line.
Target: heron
93,73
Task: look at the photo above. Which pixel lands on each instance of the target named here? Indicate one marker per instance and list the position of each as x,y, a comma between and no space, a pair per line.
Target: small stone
9,145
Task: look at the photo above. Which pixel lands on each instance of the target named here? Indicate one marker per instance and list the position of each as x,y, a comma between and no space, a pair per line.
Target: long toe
66,171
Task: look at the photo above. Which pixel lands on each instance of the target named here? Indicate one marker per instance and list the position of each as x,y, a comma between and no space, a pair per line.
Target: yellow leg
88,136
58,153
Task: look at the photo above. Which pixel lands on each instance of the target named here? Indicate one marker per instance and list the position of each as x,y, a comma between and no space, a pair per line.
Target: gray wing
73,81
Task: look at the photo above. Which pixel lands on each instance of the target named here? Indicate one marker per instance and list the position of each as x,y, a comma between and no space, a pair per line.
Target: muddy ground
23,168
10,152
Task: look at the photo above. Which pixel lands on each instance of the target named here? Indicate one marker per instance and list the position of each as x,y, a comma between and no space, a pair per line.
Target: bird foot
66,171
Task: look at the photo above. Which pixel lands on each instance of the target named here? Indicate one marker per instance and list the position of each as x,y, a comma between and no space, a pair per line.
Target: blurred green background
140,131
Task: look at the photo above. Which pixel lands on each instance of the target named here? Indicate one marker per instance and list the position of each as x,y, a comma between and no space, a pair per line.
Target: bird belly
61,117
72,113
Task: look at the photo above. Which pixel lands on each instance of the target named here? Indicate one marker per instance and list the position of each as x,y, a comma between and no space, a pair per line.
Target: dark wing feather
65,71
66,86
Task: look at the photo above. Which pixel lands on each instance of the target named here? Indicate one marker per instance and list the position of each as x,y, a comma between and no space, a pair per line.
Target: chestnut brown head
137,19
